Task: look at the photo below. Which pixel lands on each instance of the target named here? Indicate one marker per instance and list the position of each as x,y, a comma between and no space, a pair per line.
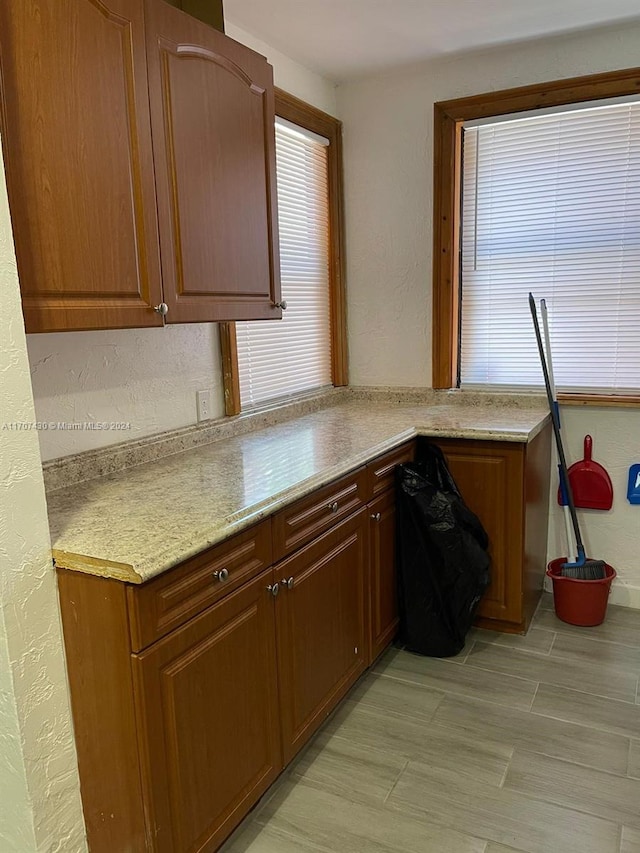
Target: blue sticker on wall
633,492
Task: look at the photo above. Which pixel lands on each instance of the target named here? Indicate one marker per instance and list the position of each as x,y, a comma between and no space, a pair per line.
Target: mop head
590,570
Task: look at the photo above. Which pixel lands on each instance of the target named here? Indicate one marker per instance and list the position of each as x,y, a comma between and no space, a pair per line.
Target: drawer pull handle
221,575
274,589
333,507
375,516
287,582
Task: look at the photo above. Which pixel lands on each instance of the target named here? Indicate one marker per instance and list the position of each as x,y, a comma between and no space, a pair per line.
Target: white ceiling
347,38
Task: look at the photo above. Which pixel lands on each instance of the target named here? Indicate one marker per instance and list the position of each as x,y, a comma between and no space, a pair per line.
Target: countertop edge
96,566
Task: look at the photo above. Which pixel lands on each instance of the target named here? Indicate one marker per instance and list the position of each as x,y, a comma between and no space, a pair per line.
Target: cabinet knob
287,582
162,309
282,304
222,575
274,589
375,516
333,507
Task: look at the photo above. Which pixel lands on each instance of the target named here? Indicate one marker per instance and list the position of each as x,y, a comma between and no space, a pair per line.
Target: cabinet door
320,627
382,562
490,476
77,147
212,112
206,699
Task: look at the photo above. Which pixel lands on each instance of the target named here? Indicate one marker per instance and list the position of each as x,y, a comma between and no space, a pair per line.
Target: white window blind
551,205
277,358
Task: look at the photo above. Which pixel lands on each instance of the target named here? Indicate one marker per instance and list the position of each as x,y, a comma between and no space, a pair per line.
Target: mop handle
552,383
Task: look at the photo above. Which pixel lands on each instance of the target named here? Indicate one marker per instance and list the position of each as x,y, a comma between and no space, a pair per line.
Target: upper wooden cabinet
212,113
79,164
95,203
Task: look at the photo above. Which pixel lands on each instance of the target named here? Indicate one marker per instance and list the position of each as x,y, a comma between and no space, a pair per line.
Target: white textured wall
40,809
389,155
16,818
145,377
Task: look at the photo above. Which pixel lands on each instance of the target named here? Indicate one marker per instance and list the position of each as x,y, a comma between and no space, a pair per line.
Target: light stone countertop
135,524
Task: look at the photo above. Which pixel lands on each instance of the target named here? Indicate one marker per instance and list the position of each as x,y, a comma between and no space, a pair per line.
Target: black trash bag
443,565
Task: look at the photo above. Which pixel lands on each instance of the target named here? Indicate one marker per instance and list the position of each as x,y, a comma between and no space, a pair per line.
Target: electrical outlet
204,405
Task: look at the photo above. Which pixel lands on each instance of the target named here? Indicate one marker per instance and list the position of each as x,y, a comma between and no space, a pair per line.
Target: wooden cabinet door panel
212,111
206,699
382,582
77,144
320,628
490,476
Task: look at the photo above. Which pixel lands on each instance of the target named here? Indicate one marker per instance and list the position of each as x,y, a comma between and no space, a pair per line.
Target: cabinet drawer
163,604
380,472
309,517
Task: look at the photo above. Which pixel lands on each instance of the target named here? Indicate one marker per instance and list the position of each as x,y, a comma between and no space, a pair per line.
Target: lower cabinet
208,725
320,625
507,485
382,584
383,594
191,692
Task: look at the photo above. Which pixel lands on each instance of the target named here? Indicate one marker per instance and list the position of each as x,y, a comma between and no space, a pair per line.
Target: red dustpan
590,483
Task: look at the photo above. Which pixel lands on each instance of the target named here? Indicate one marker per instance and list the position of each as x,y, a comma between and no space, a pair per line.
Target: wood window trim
303,114
447,134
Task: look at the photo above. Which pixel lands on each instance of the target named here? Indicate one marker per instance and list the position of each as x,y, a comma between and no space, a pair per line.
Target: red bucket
580,602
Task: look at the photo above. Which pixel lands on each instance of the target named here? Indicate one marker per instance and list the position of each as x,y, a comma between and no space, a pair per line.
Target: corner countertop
135,524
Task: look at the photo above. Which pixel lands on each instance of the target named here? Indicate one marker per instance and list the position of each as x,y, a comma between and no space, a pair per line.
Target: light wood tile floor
518,744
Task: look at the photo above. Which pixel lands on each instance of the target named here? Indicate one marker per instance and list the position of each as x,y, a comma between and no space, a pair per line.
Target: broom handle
552,383
556,429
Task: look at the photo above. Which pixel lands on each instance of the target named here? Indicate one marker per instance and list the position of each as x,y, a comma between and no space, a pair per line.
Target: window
266,361
549,201
294,355
551,204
